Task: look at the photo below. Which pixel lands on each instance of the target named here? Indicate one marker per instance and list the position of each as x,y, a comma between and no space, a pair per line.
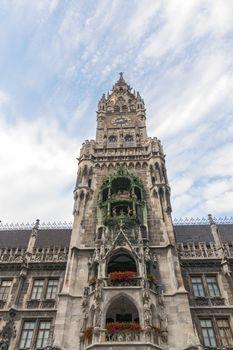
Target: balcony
133,282
124,339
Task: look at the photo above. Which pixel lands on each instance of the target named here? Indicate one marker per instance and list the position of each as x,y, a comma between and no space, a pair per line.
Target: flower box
121,275
123,326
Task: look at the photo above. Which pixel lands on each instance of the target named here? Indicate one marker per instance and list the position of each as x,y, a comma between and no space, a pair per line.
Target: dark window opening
105,194
121,261
121,185
124,318
112,138
137,192
128,138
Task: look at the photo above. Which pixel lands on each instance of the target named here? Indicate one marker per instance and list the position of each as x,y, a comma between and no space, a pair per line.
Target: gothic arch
138,165
128,138
119,258
112,139
144,165
81,195
121,295
131,165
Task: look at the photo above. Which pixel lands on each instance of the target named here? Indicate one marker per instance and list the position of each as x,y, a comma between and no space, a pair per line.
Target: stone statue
96,256
98,314
147,314
163,319
102,251
98,291
147,254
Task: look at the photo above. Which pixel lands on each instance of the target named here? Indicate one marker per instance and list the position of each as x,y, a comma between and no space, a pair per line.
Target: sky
57,57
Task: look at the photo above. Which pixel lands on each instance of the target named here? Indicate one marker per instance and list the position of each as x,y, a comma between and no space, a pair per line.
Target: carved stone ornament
4,342
8,332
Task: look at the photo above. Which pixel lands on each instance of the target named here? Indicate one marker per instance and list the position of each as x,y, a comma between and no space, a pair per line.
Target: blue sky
58,57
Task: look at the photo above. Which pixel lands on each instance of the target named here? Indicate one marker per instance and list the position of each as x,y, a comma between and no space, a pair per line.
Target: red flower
156,329
121,275
88,332
121,326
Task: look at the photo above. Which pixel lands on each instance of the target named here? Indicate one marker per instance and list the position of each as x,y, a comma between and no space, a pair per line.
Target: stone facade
124,277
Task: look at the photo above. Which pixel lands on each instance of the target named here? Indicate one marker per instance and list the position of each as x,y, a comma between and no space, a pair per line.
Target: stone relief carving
8,332
4,343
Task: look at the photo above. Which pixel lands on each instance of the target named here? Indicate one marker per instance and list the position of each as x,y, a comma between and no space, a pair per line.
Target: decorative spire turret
102,104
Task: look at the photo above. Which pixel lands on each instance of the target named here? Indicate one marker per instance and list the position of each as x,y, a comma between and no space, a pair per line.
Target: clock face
121,121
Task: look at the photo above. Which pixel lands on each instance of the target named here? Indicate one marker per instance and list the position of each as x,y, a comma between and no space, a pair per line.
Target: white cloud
38,168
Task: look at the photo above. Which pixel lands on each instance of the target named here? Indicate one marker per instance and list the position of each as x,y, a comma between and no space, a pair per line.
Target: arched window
117,108
122,309
112,138
121,261
121,185
128,138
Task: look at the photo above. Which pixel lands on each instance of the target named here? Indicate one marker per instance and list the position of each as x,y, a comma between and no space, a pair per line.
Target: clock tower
121,117
123,287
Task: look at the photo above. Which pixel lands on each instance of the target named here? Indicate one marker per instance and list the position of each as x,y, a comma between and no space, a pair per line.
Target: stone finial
210,219
37,224
121,76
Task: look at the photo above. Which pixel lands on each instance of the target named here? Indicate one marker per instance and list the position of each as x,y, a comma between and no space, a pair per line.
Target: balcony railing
202,250
122,336
129,282
204,301
102,336
198,250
